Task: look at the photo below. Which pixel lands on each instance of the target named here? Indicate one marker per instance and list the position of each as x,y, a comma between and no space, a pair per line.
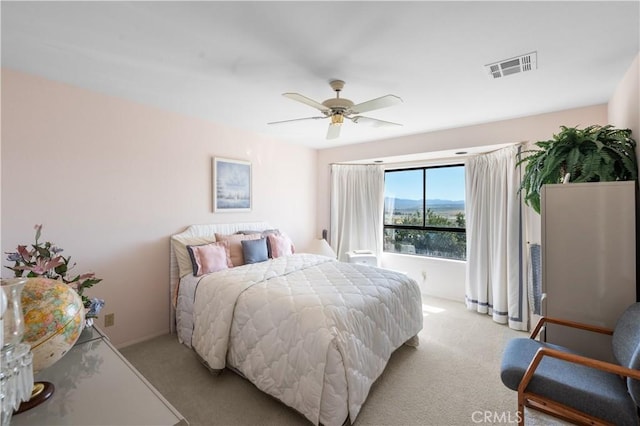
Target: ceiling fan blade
377,103
308,101
373,122
334,131
296,119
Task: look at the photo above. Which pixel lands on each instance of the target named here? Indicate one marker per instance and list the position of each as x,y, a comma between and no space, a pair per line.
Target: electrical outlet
109,320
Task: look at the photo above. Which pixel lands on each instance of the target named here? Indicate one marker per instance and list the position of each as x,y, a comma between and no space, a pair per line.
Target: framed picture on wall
231,185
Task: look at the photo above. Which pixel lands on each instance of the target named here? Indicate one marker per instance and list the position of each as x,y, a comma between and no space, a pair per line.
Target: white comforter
305,327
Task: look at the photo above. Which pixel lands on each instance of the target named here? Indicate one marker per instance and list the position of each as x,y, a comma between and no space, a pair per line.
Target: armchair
573,387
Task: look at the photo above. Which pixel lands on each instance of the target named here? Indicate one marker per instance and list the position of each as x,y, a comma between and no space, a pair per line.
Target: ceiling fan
337,109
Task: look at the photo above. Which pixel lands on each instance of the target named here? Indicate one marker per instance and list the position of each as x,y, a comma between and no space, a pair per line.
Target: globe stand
40,393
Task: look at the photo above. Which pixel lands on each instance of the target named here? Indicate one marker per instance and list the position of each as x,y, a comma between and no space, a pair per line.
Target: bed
313,332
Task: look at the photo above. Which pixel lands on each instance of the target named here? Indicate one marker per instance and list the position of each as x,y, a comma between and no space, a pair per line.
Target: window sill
417,256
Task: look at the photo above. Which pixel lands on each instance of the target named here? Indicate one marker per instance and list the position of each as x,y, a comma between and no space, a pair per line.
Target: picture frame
231,185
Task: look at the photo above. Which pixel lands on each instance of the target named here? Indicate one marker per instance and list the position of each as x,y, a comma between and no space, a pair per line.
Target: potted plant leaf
593,154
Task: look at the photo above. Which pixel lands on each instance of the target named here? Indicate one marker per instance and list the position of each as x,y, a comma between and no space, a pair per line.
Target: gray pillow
254,251
249,232
270,231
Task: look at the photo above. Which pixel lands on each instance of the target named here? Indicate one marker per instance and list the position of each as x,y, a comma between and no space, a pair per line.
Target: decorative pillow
270,231
209,258
262,233
255,251
279,245
235,245
180,244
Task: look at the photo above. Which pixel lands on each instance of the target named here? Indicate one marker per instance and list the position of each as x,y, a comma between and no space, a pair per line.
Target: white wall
624,112
111,180
436,277
446,278
624,106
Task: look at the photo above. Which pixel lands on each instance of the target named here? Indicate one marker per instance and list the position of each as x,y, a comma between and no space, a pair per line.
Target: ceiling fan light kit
340,108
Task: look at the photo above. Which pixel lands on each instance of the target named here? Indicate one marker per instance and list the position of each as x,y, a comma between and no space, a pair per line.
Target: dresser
96,385
588,260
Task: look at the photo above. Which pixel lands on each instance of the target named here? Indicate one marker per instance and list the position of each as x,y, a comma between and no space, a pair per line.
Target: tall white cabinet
588,259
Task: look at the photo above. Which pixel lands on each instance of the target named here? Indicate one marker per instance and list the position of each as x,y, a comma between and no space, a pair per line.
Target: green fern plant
593,154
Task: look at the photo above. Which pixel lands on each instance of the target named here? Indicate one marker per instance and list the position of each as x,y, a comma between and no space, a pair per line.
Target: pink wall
532,128
440,277
111,180
446,278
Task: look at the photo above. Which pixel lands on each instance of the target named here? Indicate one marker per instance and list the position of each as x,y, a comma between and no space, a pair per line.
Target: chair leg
520,412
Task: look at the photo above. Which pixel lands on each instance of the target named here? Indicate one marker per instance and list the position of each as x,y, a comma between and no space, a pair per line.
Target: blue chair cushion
626,345
589,390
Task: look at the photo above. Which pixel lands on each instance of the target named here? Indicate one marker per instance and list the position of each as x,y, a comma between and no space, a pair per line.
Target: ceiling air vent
523,63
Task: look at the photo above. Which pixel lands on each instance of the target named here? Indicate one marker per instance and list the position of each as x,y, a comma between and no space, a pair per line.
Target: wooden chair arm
567,323
576,359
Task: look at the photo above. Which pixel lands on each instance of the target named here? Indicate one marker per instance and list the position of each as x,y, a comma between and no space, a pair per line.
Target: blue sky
446,183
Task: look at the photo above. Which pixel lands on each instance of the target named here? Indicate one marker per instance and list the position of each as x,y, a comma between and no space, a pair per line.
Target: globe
53,319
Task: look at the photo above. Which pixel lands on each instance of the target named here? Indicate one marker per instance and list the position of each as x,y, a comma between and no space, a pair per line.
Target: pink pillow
235,246
279,245
209,258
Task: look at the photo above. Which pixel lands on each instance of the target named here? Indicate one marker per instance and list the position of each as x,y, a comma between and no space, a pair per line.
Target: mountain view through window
424,212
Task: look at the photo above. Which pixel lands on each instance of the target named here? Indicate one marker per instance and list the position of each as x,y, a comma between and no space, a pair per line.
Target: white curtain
357,202
495,283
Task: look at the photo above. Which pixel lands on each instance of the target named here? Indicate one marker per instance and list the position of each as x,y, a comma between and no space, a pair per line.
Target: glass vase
16,373
12,316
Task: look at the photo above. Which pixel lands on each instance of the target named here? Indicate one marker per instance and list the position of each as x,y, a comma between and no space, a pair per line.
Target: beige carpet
452,378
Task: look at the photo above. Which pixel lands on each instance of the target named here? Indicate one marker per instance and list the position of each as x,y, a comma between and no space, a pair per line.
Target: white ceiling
229,62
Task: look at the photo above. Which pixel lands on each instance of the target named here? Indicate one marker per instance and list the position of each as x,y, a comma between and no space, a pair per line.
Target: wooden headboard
203,231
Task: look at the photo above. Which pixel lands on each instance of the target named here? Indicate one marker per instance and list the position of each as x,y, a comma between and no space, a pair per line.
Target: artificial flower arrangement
45,260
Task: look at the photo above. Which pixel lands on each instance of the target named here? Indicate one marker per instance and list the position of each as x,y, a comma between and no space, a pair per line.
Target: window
424,212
